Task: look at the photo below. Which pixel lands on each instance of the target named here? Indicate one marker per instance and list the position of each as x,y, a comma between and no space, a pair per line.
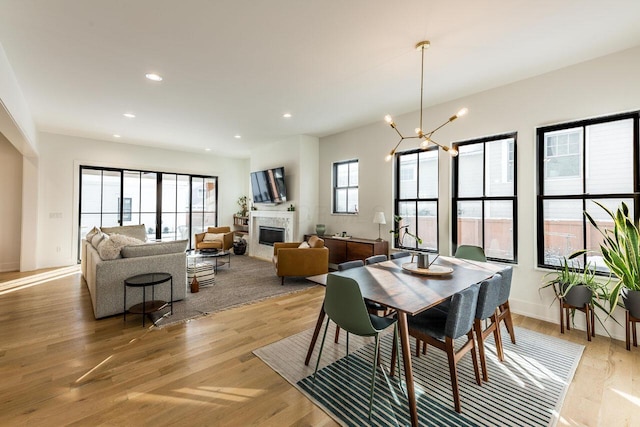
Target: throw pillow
137,231
212,237
109,248
91,233
95,241
304,245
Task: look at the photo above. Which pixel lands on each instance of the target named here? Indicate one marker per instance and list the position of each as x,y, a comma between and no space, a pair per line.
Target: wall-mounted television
268,186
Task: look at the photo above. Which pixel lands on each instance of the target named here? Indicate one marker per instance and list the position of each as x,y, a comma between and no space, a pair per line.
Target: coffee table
217,256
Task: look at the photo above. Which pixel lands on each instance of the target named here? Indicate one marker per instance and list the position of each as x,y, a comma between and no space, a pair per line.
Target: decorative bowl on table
209,251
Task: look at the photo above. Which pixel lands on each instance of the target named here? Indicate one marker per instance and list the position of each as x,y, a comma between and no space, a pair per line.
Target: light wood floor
59,366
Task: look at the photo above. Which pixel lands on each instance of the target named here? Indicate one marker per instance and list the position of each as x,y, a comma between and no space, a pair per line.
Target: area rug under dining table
527,389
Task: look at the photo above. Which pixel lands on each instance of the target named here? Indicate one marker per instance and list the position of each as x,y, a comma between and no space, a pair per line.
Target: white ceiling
234,67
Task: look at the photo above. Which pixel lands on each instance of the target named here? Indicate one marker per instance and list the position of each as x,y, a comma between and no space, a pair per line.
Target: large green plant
620,251
569,275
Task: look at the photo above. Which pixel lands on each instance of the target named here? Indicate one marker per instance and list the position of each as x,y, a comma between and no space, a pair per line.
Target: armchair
290,259
218,238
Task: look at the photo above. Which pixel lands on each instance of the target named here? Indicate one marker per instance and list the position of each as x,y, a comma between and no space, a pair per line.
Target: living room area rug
527,389
245,281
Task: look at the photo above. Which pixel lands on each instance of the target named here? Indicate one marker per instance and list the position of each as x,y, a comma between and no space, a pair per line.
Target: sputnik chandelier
420,134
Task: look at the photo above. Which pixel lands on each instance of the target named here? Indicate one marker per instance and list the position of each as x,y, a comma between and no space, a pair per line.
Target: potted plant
621,254
242,202
578,287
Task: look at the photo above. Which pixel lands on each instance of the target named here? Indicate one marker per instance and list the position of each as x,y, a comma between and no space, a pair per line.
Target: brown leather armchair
291,260
225,243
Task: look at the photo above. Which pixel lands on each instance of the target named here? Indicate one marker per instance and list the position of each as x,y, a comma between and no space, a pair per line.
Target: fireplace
270,235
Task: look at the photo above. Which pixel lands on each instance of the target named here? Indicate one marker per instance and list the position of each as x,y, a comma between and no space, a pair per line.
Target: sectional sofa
110,255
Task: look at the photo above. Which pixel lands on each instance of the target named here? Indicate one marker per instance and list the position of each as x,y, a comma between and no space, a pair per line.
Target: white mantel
281,219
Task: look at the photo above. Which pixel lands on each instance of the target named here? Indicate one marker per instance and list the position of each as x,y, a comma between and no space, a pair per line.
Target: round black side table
143,281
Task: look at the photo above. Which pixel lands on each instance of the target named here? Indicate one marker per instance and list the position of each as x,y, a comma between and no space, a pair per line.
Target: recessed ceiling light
207,149
237,136
115,135
129,115
153,76
286,115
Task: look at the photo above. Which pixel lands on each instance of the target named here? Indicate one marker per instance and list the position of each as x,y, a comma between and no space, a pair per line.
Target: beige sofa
105,271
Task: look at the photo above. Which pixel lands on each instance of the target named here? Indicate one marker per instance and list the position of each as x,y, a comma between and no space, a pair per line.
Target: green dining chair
344,305
473,253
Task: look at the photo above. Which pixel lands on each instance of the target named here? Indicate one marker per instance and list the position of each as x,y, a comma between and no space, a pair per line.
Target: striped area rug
527,389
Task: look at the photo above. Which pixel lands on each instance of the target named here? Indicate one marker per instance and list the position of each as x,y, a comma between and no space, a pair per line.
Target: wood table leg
316,331
408,370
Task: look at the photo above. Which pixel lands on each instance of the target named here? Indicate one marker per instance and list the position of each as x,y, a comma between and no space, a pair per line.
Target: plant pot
578,295
631,301
239,247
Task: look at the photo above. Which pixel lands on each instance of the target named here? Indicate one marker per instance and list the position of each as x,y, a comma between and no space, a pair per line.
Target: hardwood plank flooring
60,366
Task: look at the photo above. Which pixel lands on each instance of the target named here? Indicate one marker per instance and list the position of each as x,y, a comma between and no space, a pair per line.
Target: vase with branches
402,231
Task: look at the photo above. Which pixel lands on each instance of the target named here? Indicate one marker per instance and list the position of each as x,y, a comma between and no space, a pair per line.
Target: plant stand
578,298
565,314
630,326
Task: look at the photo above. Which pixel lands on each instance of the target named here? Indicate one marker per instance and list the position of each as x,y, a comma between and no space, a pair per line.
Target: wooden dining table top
389,284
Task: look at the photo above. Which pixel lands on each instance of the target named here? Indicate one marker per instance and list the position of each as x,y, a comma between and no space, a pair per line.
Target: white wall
11,205
600,87
299,156
60,158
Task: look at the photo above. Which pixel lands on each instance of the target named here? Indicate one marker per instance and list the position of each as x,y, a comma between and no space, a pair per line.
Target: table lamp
378,218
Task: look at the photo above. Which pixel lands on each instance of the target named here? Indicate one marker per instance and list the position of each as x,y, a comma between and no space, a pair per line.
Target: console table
349,249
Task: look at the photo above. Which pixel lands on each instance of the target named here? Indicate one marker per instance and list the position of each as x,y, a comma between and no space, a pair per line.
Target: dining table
399,285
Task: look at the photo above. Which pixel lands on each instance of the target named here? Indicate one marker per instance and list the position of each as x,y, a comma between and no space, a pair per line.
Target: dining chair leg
508,321
453,372
474,358
314,338
417,347
324,335
477,327
337,334
347,344
373,374
424,347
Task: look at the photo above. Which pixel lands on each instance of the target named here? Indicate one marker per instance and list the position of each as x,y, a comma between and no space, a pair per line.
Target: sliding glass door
171,206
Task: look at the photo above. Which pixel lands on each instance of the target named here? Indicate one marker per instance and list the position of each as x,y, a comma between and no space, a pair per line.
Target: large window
484,196
345,187
171,206
580,163
416,199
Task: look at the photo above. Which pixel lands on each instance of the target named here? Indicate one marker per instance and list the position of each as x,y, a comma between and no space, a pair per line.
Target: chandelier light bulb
389,156
462,112
418,130
425,143
453,152
388,119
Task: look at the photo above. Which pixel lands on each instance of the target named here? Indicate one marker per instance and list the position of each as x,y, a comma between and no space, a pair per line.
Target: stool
143,281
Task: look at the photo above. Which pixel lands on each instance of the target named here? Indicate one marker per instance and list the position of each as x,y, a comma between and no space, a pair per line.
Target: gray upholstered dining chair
440,329
350,264
344,305
487,309
474,253
402,254
374,259
504,311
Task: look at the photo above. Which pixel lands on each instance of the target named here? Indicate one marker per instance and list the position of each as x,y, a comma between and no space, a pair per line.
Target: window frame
397,200
484,198
336,187
584,197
